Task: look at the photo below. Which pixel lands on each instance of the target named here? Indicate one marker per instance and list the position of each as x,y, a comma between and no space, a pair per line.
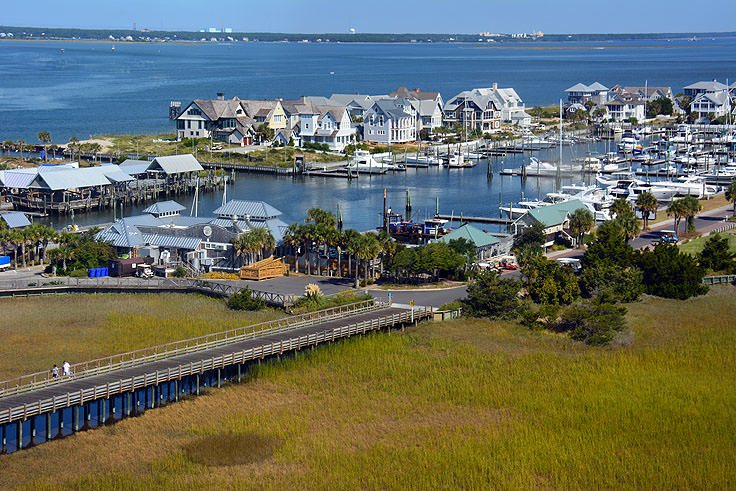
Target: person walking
66,369
55,371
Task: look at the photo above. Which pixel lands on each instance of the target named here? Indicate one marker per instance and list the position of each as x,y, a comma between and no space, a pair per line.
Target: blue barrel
91,273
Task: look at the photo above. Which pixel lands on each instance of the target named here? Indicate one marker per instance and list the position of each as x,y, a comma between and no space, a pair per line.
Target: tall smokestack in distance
220,96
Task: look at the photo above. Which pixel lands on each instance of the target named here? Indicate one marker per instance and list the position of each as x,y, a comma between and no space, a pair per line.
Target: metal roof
135,167
15,219
472,234
17,178
555,214
254,209
55,178
178,242
164,207
175,164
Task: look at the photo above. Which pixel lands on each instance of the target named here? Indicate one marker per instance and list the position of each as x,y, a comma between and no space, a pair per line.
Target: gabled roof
73,178
255,210
17,178
391,108
578,87
711,86
15,219
135,167
175,164
597,86
169,206
472,234
425,107
556,214
415,94
717,98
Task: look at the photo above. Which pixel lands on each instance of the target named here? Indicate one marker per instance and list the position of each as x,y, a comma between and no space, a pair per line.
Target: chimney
220,96
304,99
495,85
247,222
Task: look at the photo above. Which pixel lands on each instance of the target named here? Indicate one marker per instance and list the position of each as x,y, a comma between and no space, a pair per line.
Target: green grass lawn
694,246
40,331
464,404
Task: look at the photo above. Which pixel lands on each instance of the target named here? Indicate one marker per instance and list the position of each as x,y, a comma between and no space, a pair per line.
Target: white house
704,87
623,107
714,103
429,114
475,110
326,124
390,121
580,93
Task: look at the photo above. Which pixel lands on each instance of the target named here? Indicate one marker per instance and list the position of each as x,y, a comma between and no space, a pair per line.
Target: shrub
78,273
595,323
244,300
549,282
669,273
179,272
490,296
611,282
716,254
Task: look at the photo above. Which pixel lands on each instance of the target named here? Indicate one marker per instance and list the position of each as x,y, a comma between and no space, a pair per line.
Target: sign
411,303
207,230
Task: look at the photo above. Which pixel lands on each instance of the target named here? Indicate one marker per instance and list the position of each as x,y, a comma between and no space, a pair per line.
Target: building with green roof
486,245
555,219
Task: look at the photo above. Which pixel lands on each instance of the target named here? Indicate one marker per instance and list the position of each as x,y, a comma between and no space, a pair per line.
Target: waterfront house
330,125
199,243
390,121
554,218
646,93
486,245
625,106
429,114
474,110
704,87
708,104
356,104
581,93
417,95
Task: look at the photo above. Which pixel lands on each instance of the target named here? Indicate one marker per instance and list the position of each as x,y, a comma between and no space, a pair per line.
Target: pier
38,408
463,218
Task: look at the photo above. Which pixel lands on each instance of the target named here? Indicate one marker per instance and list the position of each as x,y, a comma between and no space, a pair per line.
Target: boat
457,160
415,232
688,186
363,162
629,144
422,160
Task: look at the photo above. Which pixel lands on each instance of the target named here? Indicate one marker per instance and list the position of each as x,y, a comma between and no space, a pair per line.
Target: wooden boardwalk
138,385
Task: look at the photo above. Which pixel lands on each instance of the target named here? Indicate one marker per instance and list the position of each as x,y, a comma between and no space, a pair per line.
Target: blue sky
461,16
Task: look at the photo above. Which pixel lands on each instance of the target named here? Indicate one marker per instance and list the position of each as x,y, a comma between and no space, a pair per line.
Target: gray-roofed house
15,219
330,125
704,87
711,104
418,95
645,92
474,110
171,165
486,245
390,121
163,209
625,106
582,93
429,114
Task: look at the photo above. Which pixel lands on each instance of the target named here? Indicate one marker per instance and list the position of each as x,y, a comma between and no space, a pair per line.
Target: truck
4,263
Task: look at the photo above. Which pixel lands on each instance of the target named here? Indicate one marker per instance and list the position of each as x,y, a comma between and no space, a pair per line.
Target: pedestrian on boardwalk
66,368
55,371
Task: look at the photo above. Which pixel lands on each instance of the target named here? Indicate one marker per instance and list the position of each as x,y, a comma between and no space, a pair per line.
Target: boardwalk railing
41,285
717,280
80,396
94,367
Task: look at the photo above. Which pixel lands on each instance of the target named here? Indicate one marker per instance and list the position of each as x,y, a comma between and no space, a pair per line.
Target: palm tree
691,207
20,144
647,203
44,137
8,144
677,210
15,237
48,234
295,237
371,248
581,221
620,207
350,239
388,247
629,225
731,194
73,145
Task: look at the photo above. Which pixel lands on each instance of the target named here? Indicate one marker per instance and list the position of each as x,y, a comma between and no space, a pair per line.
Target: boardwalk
34,411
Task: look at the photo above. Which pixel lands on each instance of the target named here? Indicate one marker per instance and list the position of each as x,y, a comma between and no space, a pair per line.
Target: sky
385,16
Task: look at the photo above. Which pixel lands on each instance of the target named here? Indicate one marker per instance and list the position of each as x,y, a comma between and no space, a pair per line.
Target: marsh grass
40,331
469,404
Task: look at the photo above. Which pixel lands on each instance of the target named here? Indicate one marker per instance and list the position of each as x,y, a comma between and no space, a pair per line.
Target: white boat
628,144
363,162
422,160
688,186
457,160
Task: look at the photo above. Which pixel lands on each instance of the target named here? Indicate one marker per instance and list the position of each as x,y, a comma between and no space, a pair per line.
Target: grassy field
694,246
38,332
466,404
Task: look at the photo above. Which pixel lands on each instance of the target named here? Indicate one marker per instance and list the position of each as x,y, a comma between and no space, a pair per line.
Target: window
380,120
209,245
195,112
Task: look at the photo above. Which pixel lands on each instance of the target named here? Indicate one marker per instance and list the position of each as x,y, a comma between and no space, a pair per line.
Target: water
89,89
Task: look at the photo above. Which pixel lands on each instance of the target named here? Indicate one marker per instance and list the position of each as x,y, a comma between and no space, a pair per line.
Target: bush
716,254
179,272
611,282
78,273
669,273
490,296
244,300
594,323
549,282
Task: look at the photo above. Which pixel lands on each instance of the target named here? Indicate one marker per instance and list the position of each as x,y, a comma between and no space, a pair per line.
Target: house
201,243
486,245
330,125
474,110
554,218
429,114
417,95
625,106
704,87
581,93
357,104
708,104
646,93
232,121
173,165
390,121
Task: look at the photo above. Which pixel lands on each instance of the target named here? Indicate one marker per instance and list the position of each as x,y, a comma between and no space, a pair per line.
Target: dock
490,220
